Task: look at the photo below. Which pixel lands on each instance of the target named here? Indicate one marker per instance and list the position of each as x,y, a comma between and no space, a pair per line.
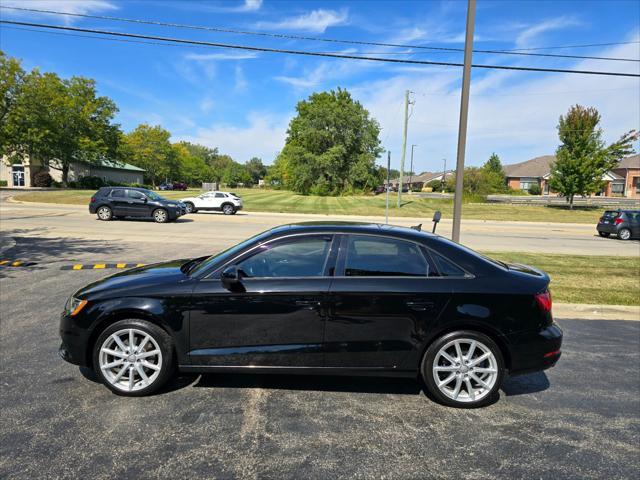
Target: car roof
351,227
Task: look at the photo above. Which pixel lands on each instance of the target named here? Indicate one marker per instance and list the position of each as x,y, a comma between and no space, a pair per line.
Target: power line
320,39
313,54
610,44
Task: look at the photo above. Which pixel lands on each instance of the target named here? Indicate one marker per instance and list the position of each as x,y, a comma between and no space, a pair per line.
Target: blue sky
241,102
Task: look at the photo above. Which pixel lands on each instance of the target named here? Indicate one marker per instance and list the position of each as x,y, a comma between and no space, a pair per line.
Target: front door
274,316
383,300
18,175
137,205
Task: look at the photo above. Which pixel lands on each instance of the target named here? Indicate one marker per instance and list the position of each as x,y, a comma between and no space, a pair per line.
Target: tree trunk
571,201
65,174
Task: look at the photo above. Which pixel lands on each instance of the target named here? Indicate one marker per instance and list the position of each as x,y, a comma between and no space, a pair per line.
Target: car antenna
417,227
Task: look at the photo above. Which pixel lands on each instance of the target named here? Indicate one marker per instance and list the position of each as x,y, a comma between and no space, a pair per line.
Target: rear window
610,214
117,193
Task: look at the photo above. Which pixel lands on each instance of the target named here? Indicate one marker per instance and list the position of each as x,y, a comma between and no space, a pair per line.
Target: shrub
535,189
42,179
91,183
3,183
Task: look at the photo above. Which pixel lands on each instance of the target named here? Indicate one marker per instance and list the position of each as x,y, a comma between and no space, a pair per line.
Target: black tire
604,234
428,375
159,336
228,209
104,213
160,215
624,234
190,207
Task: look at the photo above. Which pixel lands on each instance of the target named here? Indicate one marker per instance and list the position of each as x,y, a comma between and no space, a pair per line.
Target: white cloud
204,57
67,6
251,5
531,32
241,82
263,136
316,21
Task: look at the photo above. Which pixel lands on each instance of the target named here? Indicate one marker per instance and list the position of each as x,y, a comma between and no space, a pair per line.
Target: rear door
119,202
383,300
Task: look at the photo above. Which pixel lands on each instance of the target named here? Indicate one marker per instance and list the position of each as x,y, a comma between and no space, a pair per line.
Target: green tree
582,157
149,148
192,169
11,81
331,147
234,174
55,121
256,169
493,175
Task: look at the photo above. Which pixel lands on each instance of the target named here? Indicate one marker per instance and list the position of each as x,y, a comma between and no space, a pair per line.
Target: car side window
384,257
136,195
446,267
117,193
300,257
219,195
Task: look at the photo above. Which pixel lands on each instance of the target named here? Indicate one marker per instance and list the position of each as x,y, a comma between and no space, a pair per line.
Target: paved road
215,230
578,420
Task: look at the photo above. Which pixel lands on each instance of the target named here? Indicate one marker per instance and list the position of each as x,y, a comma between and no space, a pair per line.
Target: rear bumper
607,228
533,351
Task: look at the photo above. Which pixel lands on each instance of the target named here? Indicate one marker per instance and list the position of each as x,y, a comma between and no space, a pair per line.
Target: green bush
91,183
535,189
3,183
42,179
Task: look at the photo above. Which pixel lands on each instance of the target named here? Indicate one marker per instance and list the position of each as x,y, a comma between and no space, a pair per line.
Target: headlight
74,305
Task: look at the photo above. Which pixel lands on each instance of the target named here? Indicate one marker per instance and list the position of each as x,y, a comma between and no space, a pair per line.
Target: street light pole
464,114
411,169
444,174
386,188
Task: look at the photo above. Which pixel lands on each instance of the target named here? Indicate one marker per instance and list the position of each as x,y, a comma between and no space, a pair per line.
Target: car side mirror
145,199
436,218
230,277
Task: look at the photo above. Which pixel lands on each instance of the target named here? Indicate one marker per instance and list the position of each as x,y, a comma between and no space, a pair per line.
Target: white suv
225,202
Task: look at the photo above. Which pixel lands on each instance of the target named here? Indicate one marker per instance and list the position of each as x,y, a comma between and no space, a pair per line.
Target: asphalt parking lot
578,420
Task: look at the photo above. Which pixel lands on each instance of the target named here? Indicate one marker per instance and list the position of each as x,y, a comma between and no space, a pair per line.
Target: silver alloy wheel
227,209
160,216
130,359
624,234
465,370
104,213
189,207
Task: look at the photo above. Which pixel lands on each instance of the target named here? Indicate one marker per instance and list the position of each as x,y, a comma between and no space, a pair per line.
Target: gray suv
623,223
109,203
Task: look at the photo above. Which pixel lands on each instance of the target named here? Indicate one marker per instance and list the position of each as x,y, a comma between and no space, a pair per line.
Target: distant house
22,174
621,181
419,181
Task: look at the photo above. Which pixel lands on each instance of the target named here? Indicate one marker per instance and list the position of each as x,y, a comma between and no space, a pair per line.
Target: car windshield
229,252
154,196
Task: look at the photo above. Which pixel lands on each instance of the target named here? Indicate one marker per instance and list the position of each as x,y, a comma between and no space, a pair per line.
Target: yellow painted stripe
17,263
121,265
140,264
99,265
77,267
3,262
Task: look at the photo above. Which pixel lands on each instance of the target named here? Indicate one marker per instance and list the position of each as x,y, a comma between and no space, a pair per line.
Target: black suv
623,223
110,203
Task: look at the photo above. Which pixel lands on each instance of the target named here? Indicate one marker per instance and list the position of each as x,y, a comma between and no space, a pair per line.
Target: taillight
544,301
618,221
93,199
601,219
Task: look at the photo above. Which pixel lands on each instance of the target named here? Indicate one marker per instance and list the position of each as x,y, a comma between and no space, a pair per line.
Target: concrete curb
577,311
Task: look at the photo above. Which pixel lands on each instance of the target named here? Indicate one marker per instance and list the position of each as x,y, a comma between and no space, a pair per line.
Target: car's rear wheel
105,213
228,209
463,369
604,234
133,357
624,234
160,215
190,207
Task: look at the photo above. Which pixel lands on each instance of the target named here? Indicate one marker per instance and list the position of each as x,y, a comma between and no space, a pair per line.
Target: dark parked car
623,223
109,203
316,298
179,186
165,186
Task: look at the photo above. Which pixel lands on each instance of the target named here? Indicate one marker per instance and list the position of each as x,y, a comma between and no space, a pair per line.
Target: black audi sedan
320,298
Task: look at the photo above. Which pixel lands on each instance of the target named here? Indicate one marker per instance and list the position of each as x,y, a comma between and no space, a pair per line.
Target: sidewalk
577,311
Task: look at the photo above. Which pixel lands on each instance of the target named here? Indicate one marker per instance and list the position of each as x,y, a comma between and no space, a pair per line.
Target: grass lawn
585,279
257,200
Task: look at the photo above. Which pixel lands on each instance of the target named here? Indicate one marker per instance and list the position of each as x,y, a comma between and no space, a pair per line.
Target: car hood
147,279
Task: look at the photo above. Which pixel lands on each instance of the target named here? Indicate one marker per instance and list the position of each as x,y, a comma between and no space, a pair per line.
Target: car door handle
420,306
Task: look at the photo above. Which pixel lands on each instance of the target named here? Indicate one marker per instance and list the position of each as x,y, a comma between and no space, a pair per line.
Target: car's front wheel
624,234
105,213
228,209
463,369
190,207
160,215
133,357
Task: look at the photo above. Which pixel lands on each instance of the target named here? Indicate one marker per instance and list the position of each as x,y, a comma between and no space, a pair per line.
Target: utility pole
444,174
386,187
411,170
404,144
464,114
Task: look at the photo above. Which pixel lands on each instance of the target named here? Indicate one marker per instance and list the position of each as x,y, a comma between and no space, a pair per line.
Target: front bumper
536,350
73,348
